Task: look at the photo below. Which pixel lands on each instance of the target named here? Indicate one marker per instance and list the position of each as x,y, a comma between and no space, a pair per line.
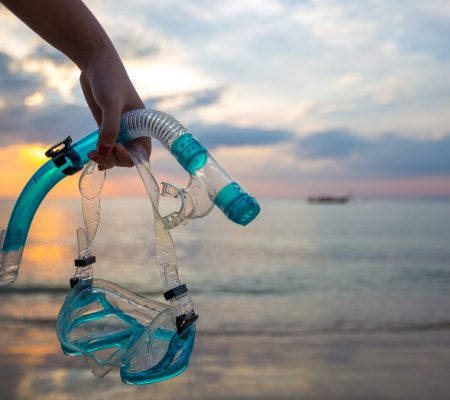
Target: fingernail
104,149
93,155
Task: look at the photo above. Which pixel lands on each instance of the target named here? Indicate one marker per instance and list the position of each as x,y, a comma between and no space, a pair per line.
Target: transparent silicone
209,180
113,327
209,183
28,202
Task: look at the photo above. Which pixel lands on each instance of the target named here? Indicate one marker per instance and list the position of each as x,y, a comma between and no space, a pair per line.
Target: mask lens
166,352
104,321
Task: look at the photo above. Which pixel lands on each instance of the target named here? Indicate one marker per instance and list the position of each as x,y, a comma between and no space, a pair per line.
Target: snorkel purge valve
112,327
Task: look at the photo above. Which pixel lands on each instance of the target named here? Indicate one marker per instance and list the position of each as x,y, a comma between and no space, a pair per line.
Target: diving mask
113,327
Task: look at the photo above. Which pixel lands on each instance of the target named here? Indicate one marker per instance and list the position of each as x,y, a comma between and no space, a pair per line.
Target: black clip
84,261
174,292
59,147
61,153
84,282
185,320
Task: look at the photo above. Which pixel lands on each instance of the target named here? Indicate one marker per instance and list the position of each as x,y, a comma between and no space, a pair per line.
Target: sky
292,97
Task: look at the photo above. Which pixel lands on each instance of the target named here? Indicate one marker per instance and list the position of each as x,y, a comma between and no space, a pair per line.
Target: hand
69,26
109,93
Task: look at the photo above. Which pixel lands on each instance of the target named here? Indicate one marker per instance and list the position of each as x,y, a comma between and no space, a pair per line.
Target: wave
390,327
208,290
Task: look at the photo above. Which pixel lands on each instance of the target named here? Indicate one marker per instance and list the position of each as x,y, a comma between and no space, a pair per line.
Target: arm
69,26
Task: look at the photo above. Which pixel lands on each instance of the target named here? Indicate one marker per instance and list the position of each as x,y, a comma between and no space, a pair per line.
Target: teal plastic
237,204
174,362
37,188
123,344
189,152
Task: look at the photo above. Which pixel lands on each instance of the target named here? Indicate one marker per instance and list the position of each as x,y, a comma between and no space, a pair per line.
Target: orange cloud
19,162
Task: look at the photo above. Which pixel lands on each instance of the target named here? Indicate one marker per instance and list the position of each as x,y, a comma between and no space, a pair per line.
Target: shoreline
413,365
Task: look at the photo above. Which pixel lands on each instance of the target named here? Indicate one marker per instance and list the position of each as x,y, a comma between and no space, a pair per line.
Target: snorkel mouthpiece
237,204
198,162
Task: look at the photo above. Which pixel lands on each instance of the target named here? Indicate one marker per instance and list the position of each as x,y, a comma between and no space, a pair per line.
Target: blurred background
295,99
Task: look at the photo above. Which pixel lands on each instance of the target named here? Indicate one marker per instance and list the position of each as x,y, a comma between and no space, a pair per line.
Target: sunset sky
292,97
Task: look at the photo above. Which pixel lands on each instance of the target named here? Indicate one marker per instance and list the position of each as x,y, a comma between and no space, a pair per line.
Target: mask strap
90,185
180,301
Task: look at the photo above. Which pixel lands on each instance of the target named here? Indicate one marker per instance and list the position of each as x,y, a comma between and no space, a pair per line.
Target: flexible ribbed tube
156,124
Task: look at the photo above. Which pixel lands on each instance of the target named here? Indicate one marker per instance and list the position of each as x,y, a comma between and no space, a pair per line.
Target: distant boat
329,199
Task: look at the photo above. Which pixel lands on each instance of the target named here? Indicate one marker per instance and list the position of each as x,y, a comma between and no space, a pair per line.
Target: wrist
94,51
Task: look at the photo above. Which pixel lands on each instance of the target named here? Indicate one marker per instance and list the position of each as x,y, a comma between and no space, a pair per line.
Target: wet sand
317,366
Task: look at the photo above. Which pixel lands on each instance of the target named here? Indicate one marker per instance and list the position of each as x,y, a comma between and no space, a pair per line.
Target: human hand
109,93
70,27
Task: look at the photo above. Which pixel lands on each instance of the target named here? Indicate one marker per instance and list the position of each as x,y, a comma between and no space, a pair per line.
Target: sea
298,269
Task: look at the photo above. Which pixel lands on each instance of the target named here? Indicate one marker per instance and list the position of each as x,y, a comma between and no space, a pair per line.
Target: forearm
67,25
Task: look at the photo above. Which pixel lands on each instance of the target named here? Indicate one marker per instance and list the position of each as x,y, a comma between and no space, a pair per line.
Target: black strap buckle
176,291
61,153
84,282
84,261
185,320
59,147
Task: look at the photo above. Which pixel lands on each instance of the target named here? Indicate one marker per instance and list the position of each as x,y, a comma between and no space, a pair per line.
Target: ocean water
298,269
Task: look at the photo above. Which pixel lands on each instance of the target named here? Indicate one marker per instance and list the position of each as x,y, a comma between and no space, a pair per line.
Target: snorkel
209,183
112,327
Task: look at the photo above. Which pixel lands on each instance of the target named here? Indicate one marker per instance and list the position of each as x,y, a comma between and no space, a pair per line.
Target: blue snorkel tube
112,327
209,183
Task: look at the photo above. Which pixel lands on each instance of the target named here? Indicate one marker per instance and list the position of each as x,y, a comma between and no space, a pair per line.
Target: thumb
109,129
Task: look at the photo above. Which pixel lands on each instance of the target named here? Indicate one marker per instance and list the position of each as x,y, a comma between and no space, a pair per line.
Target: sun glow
33,154
19,162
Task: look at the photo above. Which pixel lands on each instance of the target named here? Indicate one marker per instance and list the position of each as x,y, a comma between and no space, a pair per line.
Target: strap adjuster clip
61,153
84,261
176,291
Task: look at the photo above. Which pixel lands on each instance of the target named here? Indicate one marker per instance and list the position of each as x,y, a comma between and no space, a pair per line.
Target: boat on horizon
329,199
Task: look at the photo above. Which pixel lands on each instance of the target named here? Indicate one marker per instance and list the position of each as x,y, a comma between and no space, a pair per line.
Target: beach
308,302
317,366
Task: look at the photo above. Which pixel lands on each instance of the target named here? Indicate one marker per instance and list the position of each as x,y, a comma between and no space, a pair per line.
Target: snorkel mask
148,340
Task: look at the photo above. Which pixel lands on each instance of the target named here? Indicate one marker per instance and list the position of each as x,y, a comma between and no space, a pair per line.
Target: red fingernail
93,155
104,149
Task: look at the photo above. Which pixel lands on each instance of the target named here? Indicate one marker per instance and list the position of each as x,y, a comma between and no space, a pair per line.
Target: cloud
387,156
136,45
16,85
204,98
46,124
53,122
335,144
46,52
432,21
232,136
185,101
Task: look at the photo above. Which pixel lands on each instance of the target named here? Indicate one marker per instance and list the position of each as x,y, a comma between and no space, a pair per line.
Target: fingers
109,129
122,156
119,157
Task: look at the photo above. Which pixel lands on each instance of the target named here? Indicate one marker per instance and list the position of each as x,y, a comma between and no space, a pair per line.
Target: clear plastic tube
205,172
209,183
